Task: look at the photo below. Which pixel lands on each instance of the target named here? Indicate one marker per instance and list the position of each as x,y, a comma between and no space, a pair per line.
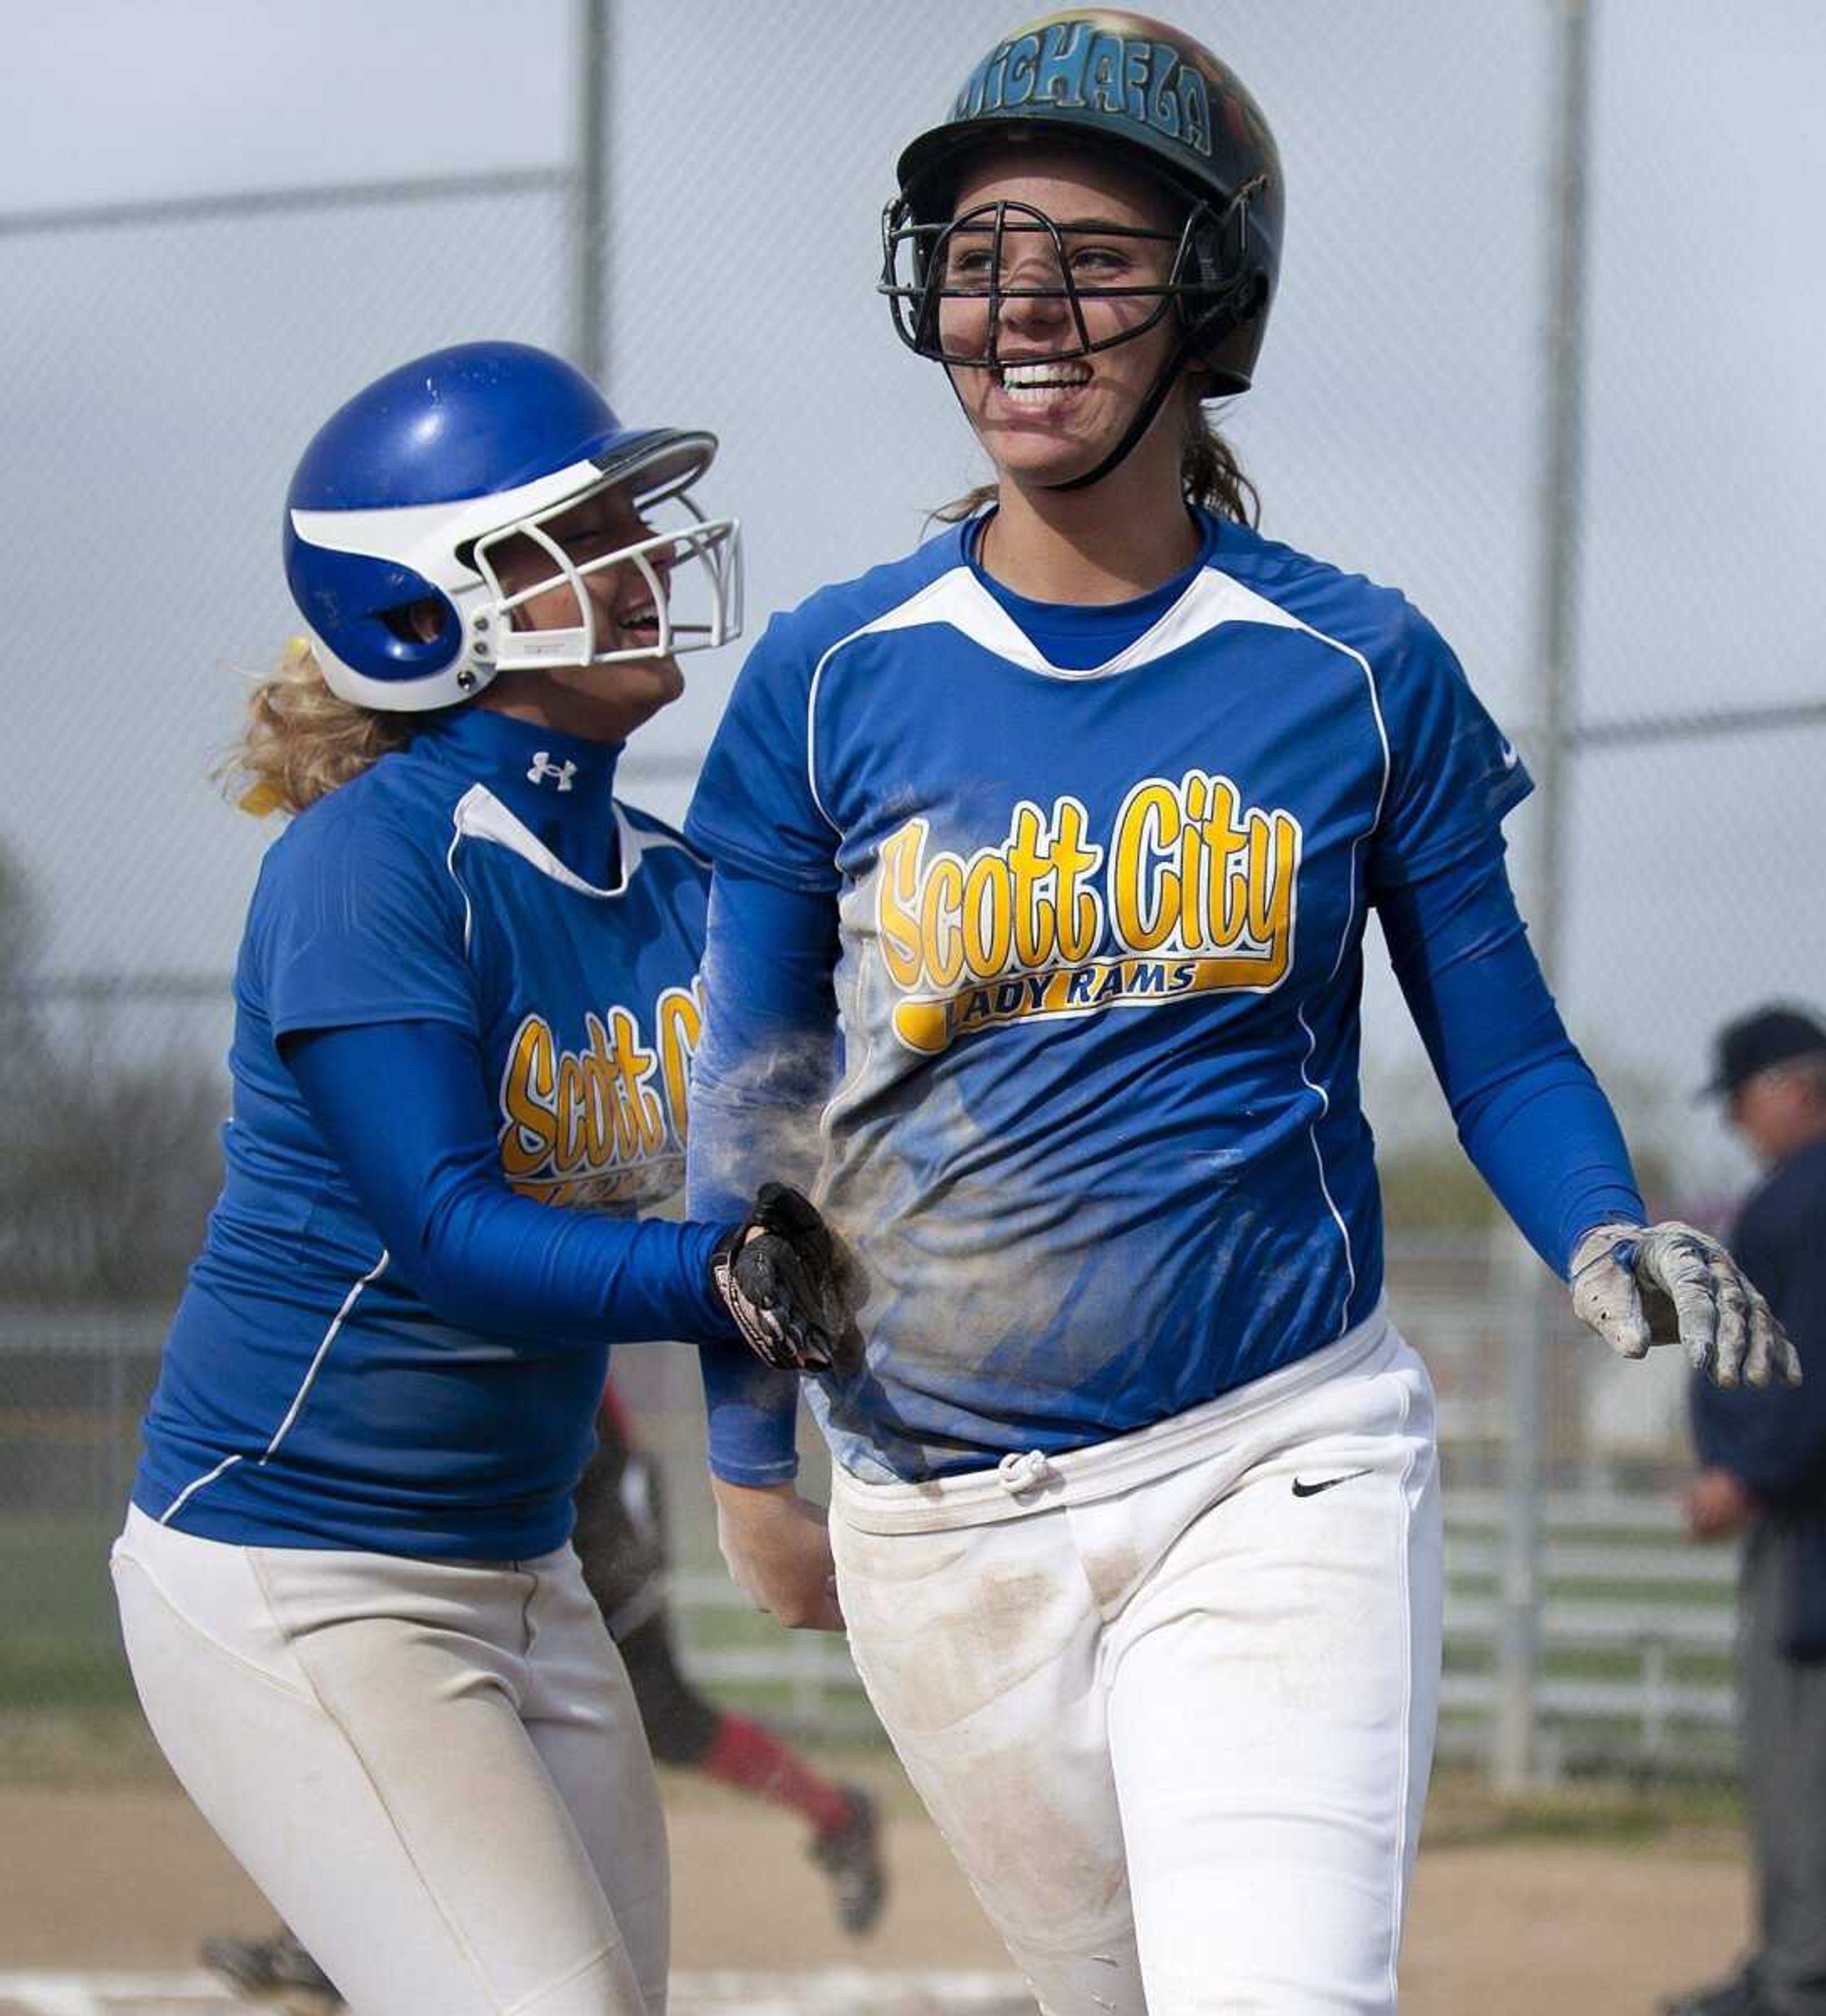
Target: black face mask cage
1208,281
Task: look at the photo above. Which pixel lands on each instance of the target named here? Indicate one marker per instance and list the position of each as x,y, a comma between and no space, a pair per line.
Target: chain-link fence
164,363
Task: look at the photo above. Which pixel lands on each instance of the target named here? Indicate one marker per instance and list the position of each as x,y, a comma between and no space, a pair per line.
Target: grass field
60,1650
62,1645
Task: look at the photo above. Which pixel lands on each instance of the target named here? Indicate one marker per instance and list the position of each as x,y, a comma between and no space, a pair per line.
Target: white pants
1172,1707
435,1770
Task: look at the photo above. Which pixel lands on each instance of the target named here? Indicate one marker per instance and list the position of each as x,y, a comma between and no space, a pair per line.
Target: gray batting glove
1638,1285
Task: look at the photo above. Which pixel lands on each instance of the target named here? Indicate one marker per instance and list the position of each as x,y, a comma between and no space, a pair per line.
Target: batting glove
790,1285
1638,1285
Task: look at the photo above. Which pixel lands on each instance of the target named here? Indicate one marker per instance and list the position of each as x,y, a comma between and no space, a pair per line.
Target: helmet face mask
1143,96
926,264
704,552
402,513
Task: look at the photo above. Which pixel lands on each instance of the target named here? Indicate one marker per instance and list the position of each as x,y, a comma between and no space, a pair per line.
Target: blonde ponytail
302,741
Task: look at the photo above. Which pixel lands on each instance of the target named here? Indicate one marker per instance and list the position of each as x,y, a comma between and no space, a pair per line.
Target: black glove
790,1284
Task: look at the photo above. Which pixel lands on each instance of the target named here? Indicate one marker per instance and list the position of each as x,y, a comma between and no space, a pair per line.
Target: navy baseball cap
1758,1040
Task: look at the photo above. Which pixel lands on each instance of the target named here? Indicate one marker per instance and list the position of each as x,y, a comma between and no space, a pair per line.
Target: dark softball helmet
1150,97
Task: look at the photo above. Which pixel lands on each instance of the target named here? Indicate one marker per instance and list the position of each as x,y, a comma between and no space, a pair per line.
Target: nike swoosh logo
1325,1484
1509,758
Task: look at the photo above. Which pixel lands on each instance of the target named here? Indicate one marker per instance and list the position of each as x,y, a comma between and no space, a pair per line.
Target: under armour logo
544,767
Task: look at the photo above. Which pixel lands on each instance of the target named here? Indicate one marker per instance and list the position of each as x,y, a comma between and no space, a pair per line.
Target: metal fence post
1514,1759
590,196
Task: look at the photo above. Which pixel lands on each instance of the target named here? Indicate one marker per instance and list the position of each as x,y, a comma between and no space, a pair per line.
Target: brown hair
1208,474
302,740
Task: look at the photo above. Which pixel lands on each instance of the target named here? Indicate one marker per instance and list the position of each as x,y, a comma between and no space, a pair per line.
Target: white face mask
695,562
692,567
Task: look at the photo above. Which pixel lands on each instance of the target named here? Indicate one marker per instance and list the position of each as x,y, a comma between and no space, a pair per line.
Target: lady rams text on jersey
1197,891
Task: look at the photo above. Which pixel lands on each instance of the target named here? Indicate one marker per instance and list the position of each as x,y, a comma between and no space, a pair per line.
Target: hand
790,1284
1717,1504
778,1548
1641,1285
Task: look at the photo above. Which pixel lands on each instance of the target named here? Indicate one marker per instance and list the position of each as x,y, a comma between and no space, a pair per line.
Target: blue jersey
1098,1138
309,1395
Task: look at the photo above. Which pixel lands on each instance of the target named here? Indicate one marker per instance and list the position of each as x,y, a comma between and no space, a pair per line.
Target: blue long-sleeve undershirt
1529,1114
430,1182
762,1072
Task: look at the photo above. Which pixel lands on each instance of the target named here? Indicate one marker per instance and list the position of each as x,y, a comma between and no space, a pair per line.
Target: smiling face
603,702
621,598
1044,417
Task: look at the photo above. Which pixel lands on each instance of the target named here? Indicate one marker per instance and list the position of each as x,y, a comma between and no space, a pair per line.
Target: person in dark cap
1763,1474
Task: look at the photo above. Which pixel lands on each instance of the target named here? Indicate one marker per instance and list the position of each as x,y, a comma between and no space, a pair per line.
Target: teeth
1015,376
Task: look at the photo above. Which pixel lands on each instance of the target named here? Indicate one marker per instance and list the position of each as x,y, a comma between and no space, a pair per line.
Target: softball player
466,994
1070,822
621,1544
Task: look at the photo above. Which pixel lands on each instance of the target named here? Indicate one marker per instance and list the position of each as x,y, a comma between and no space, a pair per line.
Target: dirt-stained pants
1171,1699
435,1770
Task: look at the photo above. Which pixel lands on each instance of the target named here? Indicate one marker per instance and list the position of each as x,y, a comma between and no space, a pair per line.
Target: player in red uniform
621,1537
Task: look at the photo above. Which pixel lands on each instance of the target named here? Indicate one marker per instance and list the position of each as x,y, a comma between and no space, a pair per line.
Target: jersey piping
329,1337
1312,1041
456,838
479,815
1213,599
298,1399
1312,1135
196,1485
959,598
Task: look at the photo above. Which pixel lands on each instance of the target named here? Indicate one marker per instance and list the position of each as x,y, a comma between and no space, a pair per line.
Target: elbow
433,1252
440,1285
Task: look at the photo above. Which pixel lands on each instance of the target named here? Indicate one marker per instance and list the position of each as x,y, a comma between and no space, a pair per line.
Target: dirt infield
128,1878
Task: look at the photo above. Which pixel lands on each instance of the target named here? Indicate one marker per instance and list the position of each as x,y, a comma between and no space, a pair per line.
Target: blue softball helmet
406,493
